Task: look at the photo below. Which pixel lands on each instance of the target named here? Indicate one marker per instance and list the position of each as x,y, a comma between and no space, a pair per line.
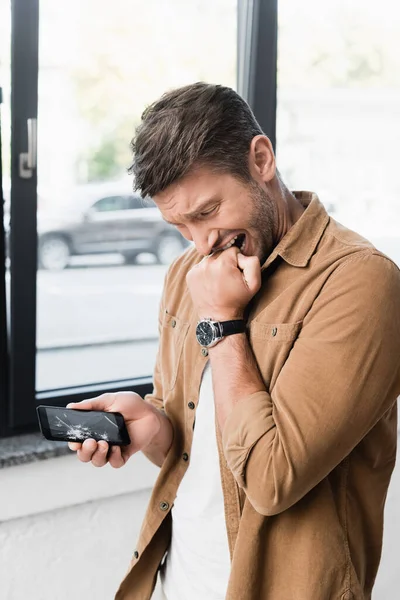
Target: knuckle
84,457
115,461
98,460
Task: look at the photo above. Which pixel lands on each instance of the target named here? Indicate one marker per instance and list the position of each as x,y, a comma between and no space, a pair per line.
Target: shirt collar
298,245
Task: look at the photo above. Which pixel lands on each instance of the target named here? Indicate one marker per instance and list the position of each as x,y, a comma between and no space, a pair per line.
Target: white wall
67,529
387,584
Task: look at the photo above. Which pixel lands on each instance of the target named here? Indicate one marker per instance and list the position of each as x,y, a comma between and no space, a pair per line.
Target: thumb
250,267
103,402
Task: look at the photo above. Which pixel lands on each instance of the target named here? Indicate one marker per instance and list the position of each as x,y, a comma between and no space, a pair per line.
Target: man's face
212,209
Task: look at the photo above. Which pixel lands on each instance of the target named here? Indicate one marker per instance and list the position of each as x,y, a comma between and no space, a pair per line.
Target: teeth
243,245
229,244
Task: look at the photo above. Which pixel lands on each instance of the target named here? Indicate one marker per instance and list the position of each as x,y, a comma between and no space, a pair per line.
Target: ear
262,159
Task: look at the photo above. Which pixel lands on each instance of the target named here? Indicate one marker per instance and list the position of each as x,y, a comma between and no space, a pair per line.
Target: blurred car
99,219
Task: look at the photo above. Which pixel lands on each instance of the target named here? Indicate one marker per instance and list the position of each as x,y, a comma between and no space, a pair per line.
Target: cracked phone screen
78,426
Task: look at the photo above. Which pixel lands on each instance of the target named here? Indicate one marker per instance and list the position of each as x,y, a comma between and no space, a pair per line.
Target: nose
204,240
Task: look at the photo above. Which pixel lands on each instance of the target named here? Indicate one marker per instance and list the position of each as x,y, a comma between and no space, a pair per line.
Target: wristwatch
209,332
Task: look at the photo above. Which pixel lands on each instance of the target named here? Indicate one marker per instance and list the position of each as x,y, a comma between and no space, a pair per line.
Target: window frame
22,318
257,60
3,303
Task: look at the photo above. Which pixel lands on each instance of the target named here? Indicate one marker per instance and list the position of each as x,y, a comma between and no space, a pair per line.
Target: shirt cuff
250,419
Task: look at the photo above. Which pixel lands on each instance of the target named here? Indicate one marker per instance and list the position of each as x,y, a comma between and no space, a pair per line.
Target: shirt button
204,351
173,323
164,506
191,405
274,331
185,456
136,554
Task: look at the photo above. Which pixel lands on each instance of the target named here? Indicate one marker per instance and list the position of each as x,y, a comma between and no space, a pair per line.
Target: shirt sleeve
341,377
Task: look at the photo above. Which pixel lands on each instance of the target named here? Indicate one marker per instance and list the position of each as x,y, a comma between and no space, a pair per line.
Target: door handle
27,160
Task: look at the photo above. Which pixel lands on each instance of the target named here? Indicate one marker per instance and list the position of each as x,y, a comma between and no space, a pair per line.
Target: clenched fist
223,284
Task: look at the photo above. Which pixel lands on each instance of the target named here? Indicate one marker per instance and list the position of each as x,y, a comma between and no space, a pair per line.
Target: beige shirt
305,465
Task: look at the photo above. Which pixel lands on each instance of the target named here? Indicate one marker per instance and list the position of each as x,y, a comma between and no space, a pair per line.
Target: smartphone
71,425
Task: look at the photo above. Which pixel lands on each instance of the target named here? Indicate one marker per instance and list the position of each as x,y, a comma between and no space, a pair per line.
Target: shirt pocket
174,331
271,344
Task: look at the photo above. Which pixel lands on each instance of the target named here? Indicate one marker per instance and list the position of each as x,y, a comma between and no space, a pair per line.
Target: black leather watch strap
231,327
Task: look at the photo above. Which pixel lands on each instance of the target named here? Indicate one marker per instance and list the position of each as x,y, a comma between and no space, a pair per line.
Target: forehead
196,189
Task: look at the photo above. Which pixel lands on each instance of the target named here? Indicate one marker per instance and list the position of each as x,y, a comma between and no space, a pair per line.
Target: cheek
186,233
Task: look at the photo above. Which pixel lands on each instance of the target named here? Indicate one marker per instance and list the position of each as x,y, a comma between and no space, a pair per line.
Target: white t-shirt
198,562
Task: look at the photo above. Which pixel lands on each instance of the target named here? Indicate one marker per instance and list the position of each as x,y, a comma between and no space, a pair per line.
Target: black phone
72,425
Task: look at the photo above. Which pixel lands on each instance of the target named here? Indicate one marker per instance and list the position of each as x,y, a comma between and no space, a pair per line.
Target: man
274,423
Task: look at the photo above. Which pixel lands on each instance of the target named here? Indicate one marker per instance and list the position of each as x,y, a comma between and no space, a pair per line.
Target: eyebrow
190,216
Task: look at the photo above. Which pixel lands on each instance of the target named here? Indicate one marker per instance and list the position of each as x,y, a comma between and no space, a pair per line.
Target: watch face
204,333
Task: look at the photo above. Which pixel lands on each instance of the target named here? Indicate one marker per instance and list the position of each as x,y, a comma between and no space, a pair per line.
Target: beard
263,220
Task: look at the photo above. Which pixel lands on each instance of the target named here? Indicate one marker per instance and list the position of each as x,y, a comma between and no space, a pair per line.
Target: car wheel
54,253
168,248
130,257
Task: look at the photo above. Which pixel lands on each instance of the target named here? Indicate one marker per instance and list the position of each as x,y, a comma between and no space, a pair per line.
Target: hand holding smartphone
89,422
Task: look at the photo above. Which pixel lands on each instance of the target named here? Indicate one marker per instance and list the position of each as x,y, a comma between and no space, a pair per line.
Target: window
84,285
97,317
338,125
135,202
110,204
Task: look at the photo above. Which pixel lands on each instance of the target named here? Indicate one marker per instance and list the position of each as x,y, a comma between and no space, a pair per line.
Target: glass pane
101,271
338,125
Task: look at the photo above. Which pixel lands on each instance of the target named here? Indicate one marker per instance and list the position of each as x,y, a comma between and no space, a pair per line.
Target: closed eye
206,213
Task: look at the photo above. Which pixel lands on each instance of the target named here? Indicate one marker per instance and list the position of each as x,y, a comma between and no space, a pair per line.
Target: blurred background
85,257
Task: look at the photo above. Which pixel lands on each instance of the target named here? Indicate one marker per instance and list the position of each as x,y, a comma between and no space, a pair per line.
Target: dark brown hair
192,126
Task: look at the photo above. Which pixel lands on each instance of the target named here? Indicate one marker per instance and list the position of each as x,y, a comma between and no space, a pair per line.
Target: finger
216,254
85,453
250,265
99,458
116,459
203,259
102,402
228,254
74,446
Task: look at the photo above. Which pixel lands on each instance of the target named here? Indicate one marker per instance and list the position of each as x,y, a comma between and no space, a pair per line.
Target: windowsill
28,448
38,476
